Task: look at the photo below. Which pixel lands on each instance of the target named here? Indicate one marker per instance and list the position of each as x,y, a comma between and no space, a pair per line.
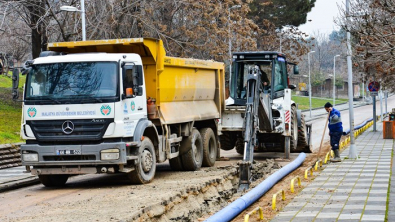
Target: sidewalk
353,190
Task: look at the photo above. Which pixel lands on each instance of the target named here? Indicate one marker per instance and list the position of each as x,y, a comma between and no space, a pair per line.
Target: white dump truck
121,105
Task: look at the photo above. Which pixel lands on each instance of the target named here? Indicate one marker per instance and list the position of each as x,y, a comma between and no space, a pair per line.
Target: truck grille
69,130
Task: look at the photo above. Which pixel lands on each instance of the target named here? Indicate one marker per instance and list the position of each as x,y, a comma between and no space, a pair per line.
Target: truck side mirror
292,86
27,66
15,84
296,69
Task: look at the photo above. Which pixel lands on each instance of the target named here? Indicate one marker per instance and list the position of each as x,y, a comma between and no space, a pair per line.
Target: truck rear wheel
53,180
146,167
227,140
209,147
192,148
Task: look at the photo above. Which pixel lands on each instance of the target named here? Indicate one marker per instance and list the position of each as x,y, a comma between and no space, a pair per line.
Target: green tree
280,12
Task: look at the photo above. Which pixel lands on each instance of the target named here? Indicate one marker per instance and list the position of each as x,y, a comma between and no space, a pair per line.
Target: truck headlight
109,154
29,157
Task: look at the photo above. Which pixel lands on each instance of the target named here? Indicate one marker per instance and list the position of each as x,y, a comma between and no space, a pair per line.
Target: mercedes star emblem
68,127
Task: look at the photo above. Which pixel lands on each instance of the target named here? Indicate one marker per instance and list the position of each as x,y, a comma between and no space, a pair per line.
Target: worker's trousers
335,139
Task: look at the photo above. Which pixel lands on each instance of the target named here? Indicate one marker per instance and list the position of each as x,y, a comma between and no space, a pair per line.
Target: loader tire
53,180
192,151
240,145
209,147
146,167
227,140
294,129
302,137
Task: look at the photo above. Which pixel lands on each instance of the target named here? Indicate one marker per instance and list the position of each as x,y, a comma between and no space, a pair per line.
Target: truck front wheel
146,167
192,151
53,180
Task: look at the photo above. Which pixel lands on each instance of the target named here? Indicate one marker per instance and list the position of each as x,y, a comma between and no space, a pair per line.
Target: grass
10,112
6,81
303,102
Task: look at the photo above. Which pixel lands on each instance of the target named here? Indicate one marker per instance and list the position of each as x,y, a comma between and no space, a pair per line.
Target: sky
322,16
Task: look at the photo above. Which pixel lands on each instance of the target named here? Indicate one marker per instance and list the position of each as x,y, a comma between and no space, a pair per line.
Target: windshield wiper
90,97
42,99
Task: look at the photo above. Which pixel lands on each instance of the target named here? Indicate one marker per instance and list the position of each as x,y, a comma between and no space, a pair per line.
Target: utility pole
353,150
308,58
334,78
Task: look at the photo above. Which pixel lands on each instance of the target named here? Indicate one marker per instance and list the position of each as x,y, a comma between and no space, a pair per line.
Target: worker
335,130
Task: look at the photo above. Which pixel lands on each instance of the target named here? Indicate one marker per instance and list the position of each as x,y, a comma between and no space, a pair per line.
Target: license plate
68,152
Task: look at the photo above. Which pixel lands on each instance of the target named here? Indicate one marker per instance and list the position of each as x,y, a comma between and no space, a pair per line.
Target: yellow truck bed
185,89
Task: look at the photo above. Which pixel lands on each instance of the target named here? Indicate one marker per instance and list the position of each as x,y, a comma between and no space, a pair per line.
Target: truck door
133,103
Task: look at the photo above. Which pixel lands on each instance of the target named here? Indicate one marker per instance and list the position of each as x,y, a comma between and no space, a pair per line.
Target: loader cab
272,67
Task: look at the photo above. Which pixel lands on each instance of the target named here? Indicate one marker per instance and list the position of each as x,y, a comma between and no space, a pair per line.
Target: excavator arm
251,125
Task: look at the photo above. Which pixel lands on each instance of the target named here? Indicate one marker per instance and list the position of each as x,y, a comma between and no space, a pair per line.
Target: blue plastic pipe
346,132
236,207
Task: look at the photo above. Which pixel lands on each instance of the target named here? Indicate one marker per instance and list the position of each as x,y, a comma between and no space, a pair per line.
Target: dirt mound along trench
205,198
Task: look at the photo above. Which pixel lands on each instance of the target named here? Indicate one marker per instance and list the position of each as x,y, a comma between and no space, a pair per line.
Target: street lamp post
308,57
230,40
74,9
334,78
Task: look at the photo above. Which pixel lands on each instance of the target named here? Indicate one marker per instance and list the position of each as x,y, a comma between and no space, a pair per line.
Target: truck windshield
92,81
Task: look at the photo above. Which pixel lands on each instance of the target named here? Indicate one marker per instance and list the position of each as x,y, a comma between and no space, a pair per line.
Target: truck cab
108,106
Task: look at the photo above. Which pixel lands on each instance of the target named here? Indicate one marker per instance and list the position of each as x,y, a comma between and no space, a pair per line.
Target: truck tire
146,167
209,147
192,148
227,140
302,137
53,180
240,145
294,129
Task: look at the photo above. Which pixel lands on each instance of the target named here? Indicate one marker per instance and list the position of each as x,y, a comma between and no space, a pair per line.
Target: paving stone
349,216
333,215
352,211
281,219
333,206
325,219
351,207
373,217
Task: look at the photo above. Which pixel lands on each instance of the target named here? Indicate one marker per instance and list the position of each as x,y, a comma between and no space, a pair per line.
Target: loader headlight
29,156
109,154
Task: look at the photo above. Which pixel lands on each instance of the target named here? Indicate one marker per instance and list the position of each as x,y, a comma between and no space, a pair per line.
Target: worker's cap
328,104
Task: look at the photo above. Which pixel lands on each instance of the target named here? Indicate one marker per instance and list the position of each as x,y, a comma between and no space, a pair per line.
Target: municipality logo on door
105,110
32,112
132,106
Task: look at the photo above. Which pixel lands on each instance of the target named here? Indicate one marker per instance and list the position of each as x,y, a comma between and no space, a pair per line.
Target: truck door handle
140,108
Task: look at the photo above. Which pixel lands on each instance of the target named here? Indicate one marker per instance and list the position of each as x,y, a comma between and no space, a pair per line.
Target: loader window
280,75
239,77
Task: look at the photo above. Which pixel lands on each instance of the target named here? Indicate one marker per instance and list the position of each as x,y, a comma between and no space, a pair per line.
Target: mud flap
309,127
